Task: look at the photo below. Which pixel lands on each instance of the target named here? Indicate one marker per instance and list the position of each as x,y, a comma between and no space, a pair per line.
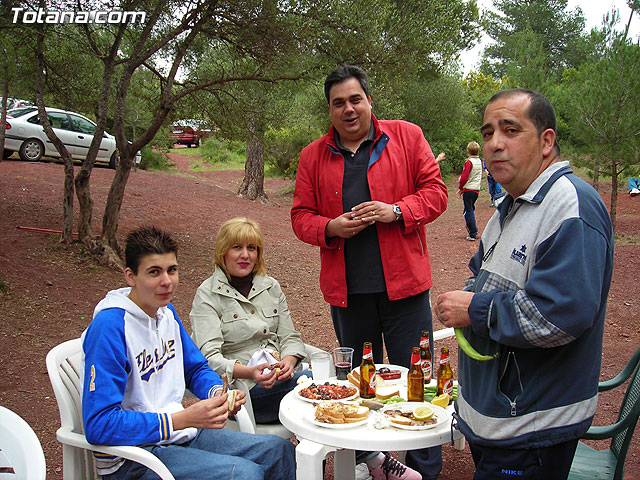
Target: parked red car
186,135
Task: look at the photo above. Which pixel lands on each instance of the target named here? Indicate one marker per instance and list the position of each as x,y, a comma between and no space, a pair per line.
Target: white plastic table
316,442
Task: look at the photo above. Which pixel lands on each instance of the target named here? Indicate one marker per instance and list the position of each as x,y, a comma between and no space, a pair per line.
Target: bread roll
232,399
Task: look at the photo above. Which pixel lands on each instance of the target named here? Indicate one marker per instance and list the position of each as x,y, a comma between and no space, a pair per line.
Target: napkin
262,356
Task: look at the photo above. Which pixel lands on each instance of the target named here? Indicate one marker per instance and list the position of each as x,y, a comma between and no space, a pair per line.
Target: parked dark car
186,135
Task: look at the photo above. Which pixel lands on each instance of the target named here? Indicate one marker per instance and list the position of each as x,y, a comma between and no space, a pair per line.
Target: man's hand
346,226
452,308
209,413
374,211
241,399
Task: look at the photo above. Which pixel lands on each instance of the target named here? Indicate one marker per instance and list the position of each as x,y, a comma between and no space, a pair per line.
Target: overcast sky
593,11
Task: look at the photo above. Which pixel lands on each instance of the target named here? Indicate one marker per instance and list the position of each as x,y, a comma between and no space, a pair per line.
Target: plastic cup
321,366
342,359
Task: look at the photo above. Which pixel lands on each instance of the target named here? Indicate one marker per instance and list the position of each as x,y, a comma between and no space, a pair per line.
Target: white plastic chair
65,367
248,423
66,371
21,454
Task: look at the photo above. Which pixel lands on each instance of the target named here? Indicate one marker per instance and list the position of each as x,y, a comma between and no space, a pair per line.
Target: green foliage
534,41
163,140
441,105
154,160
283,146
216,150
608,124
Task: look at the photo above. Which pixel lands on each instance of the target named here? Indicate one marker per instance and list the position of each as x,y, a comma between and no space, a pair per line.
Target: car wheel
189,145
31,150
6,154
114,161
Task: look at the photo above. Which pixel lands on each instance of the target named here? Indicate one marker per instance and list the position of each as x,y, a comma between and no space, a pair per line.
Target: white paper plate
336,426
346,383
442,415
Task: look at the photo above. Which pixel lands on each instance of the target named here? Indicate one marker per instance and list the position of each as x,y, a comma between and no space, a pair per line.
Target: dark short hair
541,112
147,240
345,72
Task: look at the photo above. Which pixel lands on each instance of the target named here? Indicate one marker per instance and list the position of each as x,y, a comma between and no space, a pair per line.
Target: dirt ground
50,289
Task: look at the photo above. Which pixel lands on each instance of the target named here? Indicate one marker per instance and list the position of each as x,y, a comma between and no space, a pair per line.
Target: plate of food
315,392
339,415
415,415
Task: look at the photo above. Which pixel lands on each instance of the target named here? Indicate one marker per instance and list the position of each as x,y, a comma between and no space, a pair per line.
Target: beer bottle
367,373
415,378
425,357
445,375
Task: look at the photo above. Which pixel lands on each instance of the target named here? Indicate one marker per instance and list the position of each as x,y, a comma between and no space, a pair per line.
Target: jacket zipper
514,401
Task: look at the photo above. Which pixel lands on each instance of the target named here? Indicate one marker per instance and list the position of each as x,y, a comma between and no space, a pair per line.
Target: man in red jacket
364,193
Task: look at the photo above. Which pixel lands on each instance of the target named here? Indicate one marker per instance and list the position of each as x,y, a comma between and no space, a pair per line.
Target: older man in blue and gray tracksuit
537,297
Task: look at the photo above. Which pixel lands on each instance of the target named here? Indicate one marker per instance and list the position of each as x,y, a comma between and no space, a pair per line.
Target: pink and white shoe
392,469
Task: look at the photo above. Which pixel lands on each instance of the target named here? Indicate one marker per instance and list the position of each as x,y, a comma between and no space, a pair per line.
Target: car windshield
18,112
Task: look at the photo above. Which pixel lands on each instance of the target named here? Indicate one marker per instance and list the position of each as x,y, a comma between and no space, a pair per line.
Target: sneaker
634,192
362,472
471,239
392,469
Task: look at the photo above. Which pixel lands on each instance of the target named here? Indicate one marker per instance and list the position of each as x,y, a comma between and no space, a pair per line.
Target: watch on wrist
397,211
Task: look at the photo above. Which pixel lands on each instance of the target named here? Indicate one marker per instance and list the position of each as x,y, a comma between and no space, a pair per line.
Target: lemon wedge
422,413
441,400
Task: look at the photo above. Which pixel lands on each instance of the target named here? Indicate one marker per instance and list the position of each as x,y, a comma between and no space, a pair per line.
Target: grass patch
186,151
153,160
4,286
217,154
622,240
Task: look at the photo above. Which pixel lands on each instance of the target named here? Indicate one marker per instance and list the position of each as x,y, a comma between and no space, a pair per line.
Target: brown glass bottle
425,357
415,378
367,373
445,374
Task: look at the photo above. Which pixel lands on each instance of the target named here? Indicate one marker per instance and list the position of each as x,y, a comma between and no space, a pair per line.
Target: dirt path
52,289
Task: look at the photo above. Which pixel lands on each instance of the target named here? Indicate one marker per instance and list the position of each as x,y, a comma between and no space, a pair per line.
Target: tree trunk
3,116
253,183
67,201
614,194
596,174
83,192
112,209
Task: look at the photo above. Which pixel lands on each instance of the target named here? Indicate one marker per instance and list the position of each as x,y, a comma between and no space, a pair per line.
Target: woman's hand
287,367
265,380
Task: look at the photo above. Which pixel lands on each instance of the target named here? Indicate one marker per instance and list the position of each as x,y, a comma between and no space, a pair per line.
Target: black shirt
361,252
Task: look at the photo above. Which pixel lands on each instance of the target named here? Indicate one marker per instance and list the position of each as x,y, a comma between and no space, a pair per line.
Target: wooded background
253,70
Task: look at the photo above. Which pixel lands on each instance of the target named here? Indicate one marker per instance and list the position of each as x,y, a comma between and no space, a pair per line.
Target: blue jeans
220,455
266,401
633,183
368,318
494,188
469,200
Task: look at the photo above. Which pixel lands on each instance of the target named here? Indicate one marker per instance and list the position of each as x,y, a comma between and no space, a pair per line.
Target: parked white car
25,135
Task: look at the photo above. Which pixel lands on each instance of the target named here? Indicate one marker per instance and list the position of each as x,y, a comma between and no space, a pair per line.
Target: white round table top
295,414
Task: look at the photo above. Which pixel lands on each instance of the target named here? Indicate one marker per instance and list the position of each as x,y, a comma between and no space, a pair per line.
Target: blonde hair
239,230
473,148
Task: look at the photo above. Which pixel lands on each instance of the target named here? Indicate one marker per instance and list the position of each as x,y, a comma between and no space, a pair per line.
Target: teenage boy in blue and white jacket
138,361
537,296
